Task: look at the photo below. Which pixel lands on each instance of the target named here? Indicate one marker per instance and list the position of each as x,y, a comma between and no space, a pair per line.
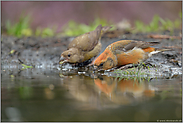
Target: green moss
135,73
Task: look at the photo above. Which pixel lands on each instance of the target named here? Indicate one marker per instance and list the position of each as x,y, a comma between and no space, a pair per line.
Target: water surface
45,95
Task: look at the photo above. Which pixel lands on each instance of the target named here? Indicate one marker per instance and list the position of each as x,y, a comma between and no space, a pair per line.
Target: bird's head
72,56
106,60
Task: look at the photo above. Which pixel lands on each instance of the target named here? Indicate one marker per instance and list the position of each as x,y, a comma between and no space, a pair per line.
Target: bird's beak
62,60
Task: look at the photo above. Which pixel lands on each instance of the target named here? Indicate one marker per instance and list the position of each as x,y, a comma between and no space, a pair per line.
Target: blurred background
45,14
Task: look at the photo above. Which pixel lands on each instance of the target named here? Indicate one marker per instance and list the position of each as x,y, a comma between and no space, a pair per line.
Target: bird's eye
101,64
69,55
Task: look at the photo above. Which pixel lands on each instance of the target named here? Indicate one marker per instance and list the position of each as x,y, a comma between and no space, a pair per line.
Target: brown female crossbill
84,47
125,52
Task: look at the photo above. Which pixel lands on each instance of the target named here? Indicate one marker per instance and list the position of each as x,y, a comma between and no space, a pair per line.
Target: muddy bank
45,53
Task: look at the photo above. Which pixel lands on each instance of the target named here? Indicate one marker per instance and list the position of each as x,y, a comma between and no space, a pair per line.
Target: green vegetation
46,32
135,73
19,29
25,66
75,29
72,28
157,24
22,28
12,51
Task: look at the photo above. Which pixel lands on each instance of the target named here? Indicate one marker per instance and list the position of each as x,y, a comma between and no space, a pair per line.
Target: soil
45,52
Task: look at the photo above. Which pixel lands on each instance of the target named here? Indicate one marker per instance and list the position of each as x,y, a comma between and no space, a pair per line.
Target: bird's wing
126,45
88,41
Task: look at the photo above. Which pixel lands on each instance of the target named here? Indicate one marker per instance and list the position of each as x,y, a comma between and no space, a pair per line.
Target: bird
124,52
84,47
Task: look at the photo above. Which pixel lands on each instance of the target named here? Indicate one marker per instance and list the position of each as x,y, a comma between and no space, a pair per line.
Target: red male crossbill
84,47
109,85
125,52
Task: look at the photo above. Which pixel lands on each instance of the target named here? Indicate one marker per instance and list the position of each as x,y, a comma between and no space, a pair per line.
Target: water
47,95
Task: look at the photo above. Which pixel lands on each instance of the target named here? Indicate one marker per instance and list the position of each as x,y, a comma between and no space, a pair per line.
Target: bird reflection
124,91
107,92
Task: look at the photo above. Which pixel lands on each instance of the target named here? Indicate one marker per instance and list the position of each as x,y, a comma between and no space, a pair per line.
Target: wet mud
45,52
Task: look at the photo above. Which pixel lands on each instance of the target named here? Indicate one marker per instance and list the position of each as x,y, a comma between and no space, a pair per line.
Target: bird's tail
104,30
161,50
158,50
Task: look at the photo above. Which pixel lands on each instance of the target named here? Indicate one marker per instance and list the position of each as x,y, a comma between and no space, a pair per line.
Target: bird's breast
93,53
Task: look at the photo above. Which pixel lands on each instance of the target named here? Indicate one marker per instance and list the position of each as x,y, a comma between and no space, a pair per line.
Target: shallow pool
45,95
